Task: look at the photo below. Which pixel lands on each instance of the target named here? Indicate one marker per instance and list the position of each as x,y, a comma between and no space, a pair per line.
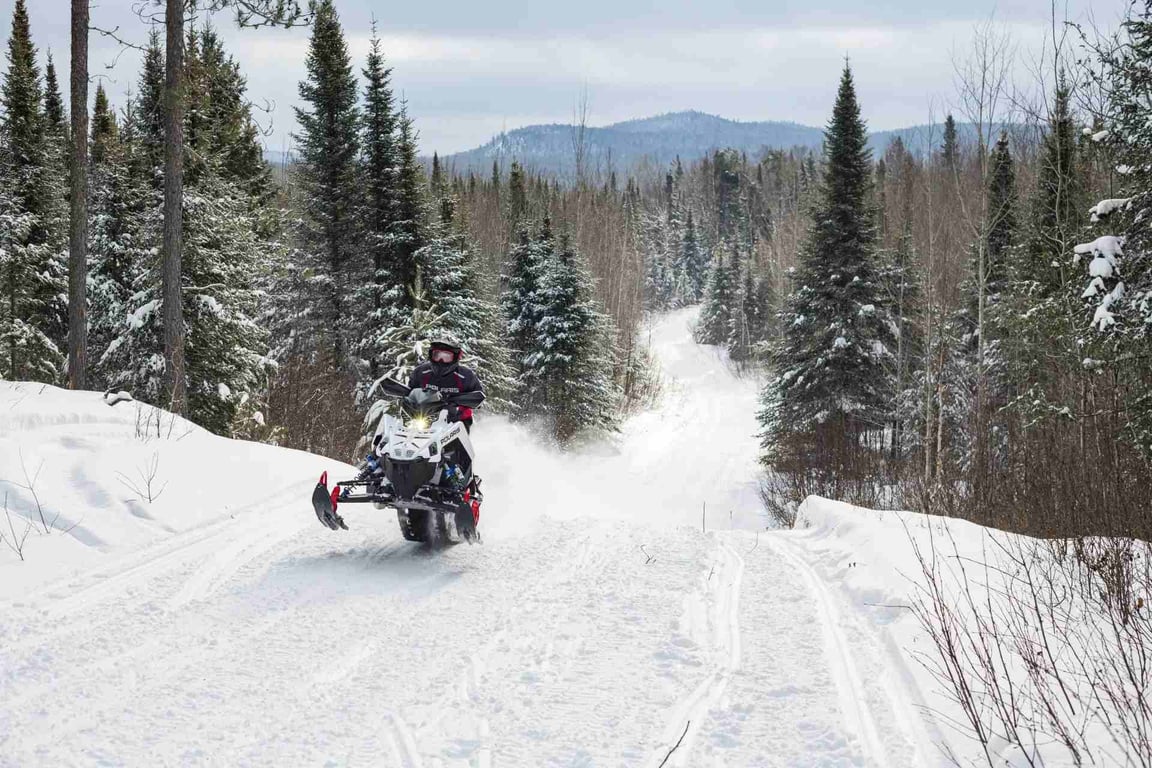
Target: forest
962,330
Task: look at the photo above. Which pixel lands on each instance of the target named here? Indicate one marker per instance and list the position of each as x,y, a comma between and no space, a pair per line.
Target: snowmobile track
689,716
849,682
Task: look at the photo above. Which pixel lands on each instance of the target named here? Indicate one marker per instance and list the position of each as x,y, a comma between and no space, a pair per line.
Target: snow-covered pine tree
528,263
975,371
659,262
32,320
55,121
721,299
1042,307
751,323
224,249
1113,275
385,294
455,284
693,263
832,384
134,358
408,228
573,358
150,110
517,194
115,248
329,245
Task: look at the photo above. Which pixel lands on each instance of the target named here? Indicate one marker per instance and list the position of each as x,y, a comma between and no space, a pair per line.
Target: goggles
442,356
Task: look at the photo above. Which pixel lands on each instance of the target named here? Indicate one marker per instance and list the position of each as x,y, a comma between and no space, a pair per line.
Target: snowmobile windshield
422,398
422,405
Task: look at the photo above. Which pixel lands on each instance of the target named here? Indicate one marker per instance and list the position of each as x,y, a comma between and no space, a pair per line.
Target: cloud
477,68
461,87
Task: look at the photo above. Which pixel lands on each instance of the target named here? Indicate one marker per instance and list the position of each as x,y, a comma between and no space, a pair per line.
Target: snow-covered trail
597,626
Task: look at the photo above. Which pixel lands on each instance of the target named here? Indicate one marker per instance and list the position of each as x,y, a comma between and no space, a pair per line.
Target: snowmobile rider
442,369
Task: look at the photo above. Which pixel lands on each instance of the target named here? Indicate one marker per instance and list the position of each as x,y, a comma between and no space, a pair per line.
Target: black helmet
441,345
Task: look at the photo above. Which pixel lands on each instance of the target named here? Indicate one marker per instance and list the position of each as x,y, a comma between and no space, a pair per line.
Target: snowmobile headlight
419,422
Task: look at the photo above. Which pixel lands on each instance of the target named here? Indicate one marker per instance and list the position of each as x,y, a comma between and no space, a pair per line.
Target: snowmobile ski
325,504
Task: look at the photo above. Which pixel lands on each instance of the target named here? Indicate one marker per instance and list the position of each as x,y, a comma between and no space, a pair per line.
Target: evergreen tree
693,263
1113,283
224,249
573,358
56,122
57,157
751,326
386,293
408,228
114,241
133,357
328,144
457,288
832,383
720,301
1042,304
31,275
517,194
150,110
950,148
529,261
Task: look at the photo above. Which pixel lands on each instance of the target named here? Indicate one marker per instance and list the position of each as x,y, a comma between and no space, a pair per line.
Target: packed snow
628,606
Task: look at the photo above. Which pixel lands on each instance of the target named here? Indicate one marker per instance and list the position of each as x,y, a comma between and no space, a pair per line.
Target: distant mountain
658,140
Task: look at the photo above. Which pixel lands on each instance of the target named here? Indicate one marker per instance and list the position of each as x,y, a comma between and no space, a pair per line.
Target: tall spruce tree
387,294
1042,310
572,359
721,299
528,262
31,274
329,143
225,245
408,233
114,240
1114,283
832,379
457,288
693,263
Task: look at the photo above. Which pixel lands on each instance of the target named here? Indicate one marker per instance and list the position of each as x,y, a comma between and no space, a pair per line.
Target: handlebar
399,390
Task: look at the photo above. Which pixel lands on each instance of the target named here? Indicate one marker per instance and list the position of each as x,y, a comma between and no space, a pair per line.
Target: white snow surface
598,625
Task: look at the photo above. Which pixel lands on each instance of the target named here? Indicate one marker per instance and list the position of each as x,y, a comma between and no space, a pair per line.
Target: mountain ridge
659,140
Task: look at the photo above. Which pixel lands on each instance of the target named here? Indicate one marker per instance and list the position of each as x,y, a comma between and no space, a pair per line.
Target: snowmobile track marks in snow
850,685
689,716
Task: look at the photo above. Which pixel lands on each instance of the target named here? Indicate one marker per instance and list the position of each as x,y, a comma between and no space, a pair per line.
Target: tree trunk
174,380
78,225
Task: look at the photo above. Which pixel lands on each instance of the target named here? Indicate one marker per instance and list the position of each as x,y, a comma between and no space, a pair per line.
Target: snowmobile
420,465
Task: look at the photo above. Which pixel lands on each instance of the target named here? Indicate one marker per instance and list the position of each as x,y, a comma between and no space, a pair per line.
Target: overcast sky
471,68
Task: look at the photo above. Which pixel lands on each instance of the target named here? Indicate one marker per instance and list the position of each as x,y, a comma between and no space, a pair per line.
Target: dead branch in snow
15,541
146,489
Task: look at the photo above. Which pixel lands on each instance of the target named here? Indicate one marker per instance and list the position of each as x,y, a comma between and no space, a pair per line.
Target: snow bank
875,558
89,478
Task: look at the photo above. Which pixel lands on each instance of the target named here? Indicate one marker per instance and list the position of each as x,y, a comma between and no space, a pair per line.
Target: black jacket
449,378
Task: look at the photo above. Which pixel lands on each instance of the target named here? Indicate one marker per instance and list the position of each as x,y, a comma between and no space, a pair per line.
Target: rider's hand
453,413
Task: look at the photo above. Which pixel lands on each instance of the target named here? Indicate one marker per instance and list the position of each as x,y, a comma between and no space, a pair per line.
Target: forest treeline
962,330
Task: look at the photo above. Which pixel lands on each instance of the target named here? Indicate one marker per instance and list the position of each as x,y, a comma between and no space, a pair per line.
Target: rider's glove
453,413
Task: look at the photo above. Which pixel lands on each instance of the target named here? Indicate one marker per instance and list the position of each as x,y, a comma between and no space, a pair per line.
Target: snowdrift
86,481
1053,662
